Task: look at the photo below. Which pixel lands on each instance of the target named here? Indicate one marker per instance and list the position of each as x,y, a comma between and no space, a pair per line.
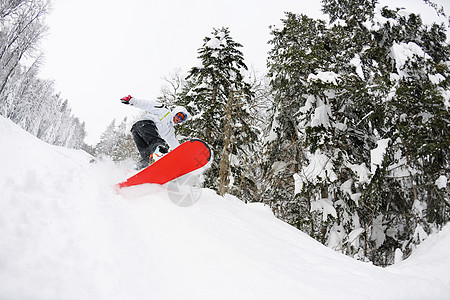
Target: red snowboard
187,157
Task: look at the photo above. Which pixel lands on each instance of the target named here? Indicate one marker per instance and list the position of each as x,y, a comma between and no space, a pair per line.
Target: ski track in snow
66,234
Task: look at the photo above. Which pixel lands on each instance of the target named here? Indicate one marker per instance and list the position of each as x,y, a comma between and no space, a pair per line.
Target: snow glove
161,150
126,100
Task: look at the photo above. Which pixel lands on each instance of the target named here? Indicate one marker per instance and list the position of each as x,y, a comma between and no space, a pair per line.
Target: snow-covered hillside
65,234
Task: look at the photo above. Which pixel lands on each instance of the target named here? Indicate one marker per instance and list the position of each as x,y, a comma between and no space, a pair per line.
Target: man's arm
146,105
150,106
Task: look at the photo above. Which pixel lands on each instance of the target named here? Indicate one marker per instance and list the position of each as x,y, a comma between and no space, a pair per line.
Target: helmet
179,115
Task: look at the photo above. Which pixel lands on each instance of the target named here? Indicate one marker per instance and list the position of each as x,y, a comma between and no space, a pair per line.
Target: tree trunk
224,165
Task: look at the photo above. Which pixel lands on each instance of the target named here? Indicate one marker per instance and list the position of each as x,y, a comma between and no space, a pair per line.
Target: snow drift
65,234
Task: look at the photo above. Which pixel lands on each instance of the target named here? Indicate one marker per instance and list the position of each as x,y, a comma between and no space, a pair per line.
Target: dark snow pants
146,137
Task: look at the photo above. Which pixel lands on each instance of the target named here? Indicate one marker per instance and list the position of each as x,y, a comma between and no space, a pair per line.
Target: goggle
181,115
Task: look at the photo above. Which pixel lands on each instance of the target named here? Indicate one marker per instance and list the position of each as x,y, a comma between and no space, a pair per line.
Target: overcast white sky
99,51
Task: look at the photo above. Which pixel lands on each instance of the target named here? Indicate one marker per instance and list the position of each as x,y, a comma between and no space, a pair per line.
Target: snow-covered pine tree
24,98
117,143
107,140
52,120
218,96
416,123
295,49
76,134
342,92
31,102
125,147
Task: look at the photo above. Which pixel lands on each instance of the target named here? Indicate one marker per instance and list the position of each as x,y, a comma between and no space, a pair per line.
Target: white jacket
163,118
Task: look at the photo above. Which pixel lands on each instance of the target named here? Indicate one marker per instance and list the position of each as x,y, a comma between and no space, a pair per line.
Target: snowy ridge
65,234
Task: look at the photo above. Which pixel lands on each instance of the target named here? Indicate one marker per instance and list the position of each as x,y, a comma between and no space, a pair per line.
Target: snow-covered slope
65,234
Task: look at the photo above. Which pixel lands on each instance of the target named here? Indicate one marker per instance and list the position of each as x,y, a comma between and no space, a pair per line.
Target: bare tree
21,28
439,10
174,83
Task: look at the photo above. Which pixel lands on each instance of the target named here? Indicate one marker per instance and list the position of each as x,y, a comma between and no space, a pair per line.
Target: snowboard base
189,156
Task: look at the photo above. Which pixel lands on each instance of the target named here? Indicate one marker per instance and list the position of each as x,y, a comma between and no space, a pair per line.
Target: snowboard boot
143,163
161,150
159,153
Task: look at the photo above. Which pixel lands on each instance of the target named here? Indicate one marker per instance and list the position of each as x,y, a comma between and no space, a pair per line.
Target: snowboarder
154,133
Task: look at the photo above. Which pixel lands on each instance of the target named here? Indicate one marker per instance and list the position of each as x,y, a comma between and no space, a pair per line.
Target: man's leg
141,145
146,137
